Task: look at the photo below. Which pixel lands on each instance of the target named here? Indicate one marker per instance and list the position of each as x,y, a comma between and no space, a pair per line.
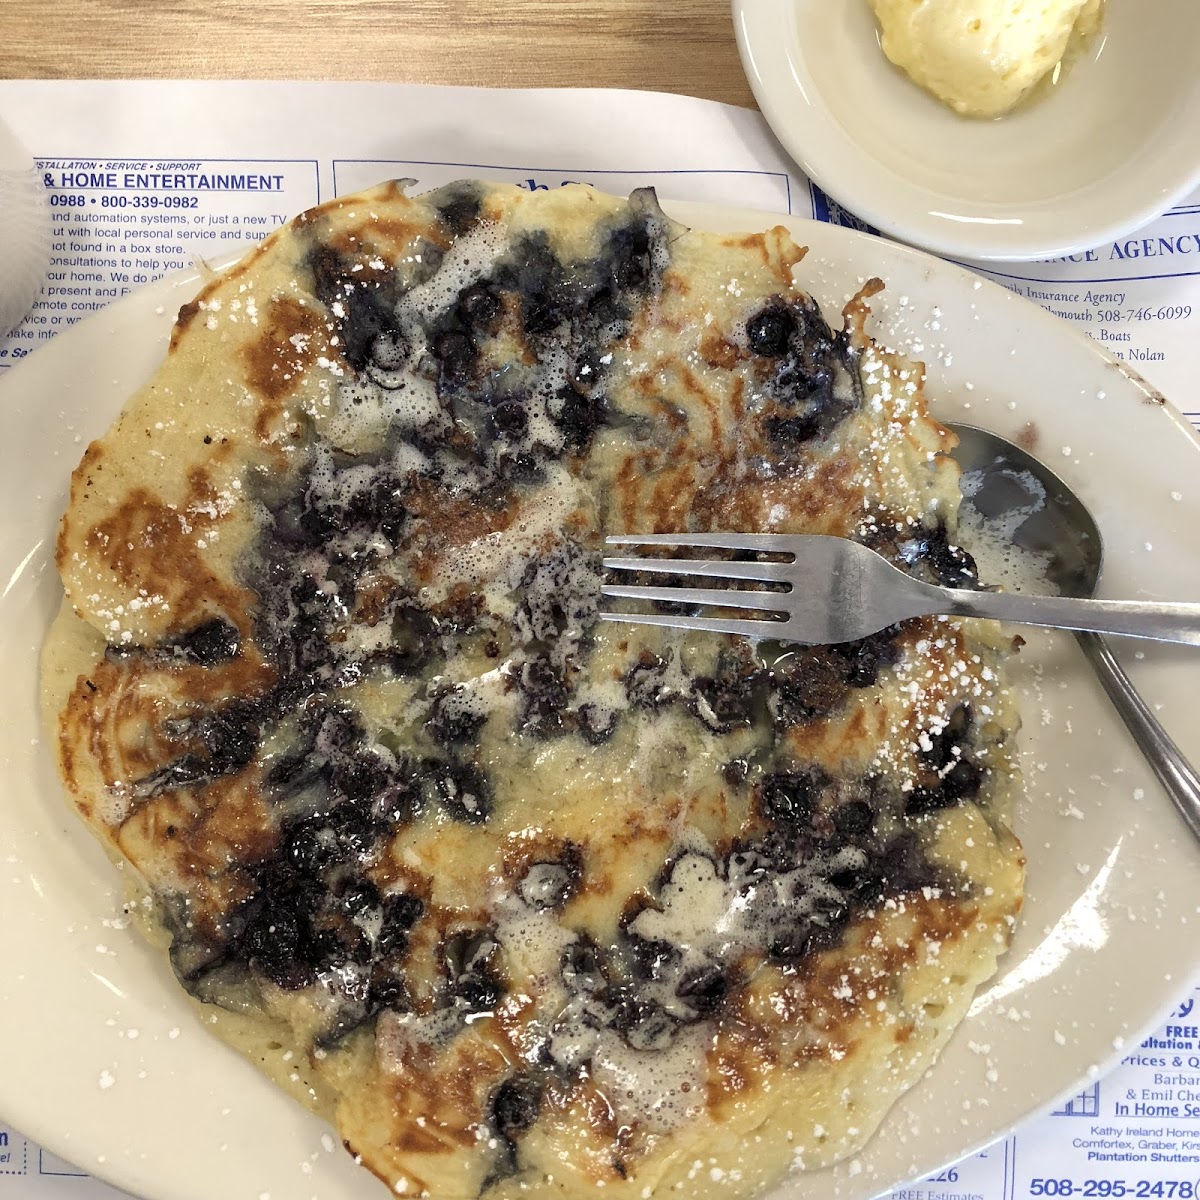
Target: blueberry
533,266
317,525
356,829
902,866
951,566
729,699
811,387
279,882
461,207
807,406
508,420
213,641
327,947
812,344
378,508
367,305
231,735
961,782
456,356
582,967
515,1105
769,331
541,313
703,988
628,252
644,1025
302,646
391,943
549,885
192,957
402,910
468,950
596,724
359,778
289,974
359,896
335,728
298,773
644,682
369,316
579,417
792,431
606,308
952,735
462,790
329,274
414,639
545,693
401,800
272,942
310,847
746,865
461,613
480,991
386,988
650,959
478,306
845,878
451,723
868,886
853,819
790,941
868,656
788,799
810,685
520,467
829,920
585,374
389,352
736,771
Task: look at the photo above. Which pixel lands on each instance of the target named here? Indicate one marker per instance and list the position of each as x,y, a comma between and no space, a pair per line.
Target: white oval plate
1112,147
104,1061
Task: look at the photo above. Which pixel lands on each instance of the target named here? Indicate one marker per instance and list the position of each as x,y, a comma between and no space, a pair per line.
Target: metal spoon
1002,481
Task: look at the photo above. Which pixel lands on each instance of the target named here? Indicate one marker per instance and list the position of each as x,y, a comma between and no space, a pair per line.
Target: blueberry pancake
522,901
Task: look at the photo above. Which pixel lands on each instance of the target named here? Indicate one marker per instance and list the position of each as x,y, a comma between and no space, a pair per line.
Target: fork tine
720,597
750,629
763,542
699,566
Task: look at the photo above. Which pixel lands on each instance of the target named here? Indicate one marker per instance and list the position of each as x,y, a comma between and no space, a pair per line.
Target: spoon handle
1159,621
1175,773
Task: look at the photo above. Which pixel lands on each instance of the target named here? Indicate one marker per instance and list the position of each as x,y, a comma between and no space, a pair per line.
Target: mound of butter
981,56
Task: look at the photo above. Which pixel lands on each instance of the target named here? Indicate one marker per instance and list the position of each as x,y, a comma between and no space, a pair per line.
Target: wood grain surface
667,45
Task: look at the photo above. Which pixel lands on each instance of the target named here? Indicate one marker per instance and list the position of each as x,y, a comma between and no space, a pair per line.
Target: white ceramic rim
911,212
1081,962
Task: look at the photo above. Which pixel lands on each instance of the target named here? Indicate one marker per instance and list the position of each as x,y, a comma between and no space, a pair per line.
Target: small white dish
1108,149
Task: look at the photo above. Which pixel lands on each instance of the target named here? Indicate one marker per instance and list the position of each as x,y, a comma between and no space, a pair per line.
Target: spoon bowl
1025,515
1020,500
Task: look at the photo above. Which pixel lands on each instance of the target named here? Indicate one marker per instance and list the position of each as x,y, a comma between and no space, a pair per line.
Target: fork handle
1175,773
1163,622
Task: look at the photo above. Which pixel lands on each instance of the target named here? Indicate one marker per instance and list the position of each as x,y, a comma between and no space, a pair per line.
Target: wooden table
668,45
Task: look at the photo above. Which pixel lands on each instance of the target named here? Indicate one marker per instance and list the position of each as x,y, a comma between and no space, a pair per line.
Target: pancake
524,902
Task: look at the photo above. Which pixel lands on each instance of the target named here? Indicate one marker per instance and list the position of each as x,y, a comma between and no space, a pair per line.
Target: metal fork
840,591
